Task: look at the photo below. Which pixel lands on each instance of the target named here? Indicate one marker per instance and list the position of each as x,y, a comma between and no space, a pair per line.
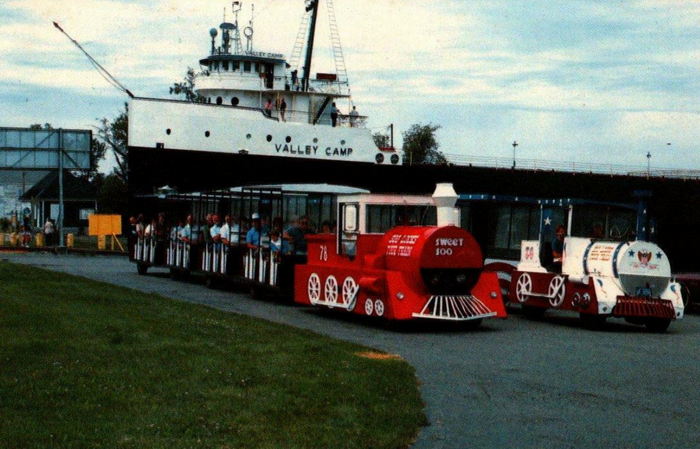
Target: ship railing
261,265
344,120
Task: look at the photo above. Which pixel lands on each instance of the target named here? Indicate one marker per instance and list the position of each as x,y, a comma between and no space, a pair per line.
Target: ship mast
313,7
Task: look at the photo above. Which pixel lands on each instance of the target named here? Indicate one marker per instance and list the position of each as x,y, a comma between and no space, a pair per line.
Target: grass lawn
86,365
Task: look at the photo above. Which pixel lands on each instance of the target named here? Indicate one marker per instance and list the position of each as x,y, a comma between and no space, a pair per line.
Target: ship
251,102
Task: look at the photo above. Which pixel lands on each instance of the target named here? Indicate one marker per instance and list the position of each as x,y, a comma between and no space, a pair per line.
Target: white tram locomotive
601,279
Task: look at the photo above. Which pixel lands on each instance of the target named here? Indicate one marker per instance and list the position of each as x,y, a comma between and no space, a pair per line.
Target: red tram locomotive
408,272
387,258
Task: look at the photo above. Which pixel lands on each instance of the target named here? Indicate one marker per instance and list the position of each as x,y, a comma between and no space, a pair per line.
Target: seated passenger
185,233
558,248
254,236
215,229
296,235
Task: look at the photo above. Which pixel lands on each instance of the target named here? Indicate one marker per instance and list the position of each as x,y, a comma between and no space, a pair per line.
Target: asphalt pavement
511,383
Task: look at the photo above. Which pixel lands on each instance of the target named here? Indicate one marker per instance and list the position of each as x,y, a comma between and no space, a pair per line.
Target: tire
592,321
532,312
658,325
141,269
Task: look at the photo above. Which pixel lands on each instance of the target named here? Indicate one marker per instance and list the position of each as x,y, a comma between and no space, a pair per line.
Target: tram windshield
381,218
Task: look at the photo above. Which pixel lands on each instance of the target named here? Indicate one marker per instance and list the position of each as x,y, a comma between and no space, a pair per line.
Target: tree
186,88
381,140
38,127
420,145
114,135
113,195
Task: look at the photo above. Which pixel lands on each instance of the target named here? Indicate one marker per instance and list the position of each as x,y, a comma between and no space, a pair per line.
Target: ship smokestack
445,199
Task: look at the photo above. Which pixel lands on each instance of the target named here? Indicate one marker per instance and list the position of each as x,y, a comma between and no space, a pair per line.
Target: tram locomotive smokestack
445,199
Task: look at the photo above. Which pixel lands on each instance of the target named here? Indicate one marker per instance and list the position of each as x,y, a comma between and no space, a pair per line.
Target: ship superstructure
254,102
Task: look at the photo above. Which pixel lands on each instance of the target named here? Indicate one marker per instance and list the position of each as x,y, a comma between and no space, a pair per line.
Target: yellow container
102,242
70,240
39,240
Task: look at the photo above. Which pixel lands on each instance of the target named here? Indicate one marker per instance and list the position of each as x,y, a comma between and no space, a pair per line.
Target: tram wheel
592,321
532,312
657,324
141,268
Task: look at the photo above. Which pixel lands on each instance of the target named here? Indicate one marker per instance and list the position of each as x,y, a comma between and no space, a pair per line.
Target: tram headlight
461,278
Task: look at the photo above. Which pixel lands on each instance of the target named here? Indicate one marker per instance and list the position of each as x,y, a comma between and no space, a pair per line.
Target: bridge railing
570,166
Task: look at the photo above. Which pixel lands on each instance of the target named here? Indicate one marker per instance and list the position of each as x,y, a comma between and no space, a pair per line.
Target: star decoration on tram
659,255
547,221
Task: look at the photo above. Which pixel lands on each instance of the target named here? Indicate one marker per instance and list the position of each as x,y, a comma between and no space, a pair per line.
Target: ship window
207,133
342,142
269,138
246,66
219,100
234,101
167,131
225,65
236,66
256,67
288,139
216,66
315,139
248,136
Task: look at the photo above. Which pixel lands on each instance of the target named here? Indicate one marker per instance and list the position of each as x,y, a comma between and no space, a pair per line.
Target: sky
602,82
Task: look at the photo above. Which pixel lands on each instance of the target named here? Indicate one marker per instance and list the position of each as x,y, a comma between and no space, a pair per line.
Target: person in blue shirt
558,248
296,235
254,236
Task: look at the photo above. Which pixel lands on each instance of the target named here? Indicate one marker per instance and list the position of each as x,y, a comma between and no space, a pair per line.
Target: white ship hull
179,125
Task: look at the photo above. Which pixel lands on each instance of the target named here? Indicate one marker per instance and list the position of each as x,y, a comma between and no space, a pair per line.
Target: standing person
49,231
131,239
353,117
268,108
296,235
283,109
334,115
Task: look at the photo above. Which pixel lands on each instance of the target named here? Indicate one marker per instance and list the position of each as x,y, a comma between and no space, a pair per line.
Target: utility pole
515,144
60,188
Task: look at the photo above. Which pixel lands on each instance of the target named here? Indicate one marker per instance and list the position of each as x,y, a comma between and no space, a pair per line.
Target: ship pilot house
236,75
